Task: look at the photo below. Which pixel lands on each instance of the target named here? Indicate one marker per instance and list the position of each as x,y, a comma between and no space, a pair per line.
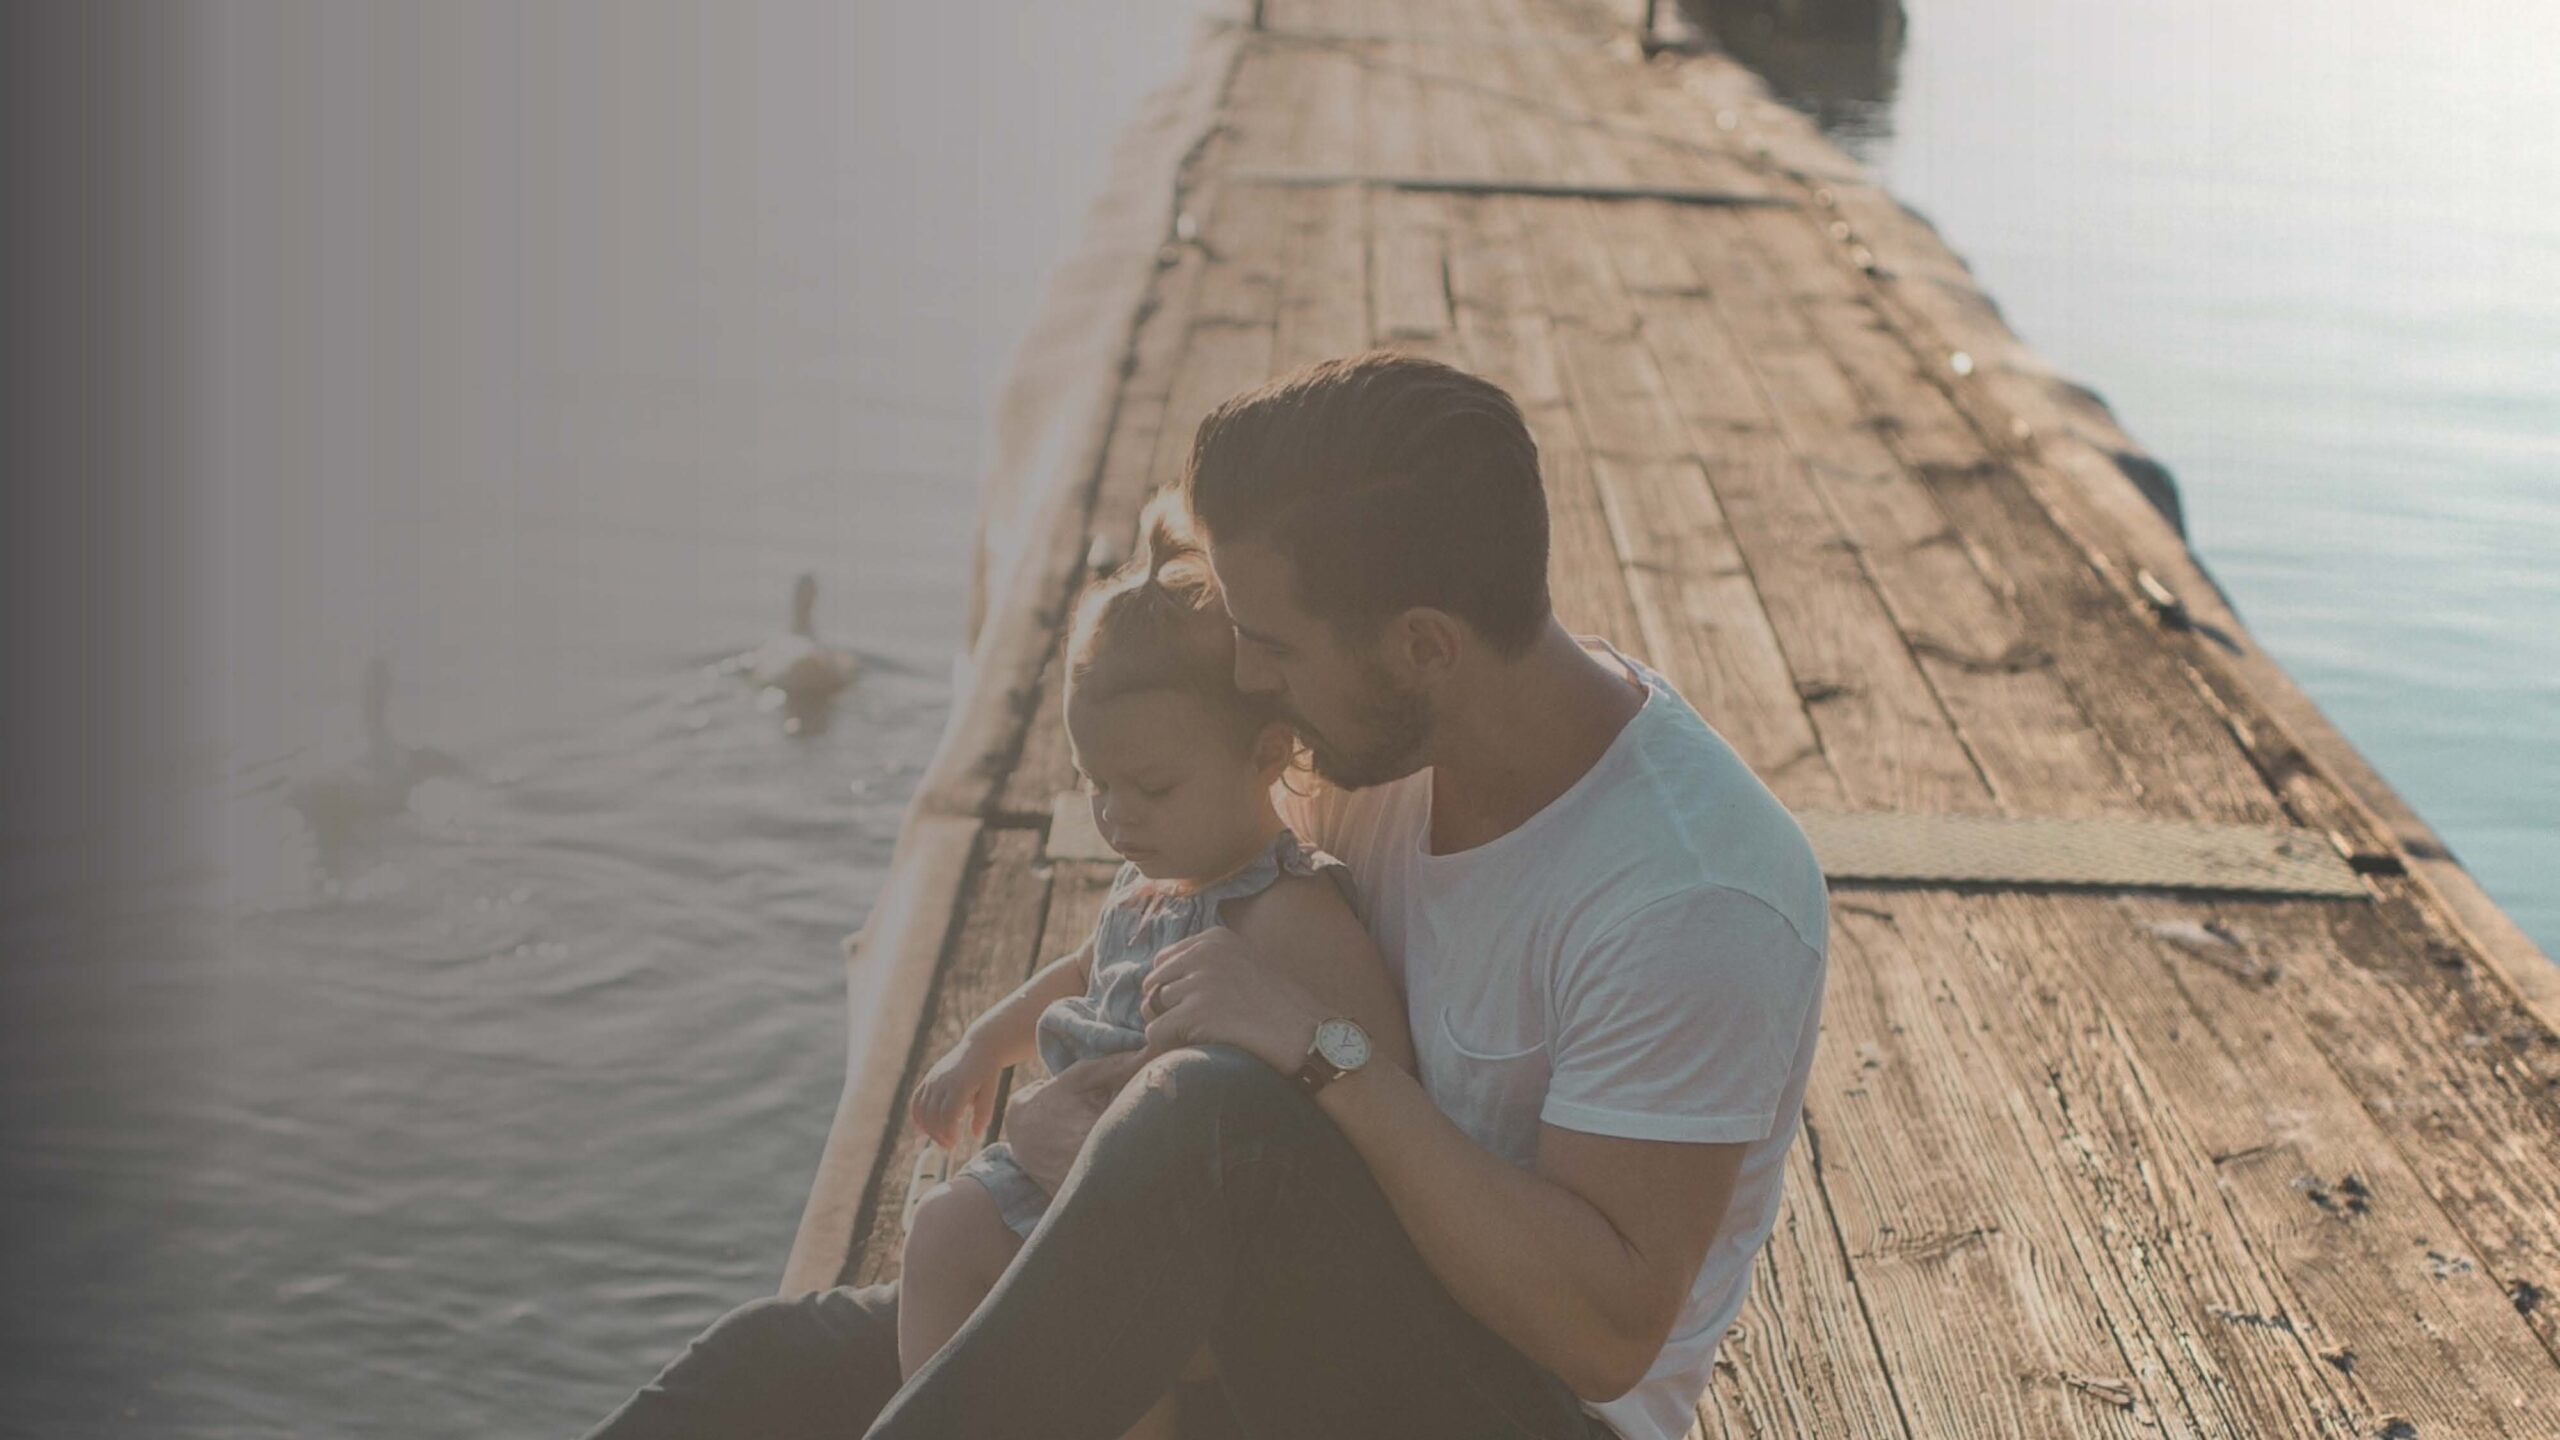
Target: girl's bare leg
955,1252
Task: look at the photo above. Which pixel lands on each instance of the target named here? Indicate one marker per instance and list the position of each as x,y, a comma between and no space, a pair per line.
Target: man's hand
1209,987
1047,1123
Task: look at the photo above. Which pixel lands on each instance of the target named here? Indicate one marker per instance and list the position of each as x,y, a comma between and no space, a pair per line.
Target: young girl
1179,766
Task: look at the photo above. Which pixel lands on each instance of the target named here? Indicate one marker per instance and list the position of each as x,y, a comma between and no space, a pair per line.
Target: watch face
1343,1044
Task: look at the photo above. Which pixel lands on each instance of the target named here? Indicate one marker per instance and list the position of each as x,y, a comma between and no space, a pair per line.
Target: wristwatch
1340,1047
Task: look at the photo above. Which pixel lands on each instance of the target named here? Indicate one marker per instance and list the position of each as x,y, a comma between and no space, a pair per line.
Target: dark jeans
1216,1202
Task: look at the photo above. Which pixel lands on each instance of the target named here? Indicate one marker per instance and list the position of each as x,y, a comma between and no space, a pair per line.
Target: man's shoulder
1690,835
1687,916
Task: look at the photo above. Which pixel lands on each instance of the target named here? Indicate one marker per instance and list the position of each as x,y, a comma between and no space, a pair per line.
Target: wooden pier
2120,1160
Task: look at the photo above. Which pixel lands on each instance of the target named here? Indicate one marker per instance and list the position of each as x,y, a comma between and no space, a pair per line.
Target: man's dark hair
1388,481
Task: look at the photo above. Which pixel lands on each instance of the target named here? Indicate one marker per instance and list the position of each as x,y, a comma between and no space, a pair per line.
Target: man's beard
1394,723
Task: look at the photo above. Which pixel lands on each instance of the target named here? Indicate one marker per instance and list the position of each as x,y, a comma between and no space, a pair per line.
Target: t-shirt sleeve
1685,1021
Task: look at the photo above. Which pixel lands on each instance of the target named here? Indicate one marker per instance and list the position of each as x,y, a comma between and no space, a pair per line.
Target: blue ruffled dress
1140,917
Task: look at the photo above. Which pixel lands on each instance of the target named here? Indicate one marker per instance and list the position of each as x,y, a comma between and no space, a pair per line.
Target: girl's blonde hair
1157,623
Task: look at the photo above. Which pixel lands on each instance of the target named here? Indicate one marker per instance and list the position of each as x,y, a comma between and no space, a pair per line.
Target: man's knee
1199,1092
776,1367
771,1332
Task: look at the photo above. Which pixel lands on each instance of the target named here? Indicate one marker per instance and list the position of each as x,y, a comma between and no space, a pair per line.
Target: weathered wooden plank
1799,1359
1805,1351
2135,694
1146,402
1043,768
2070,1168
1819,279
1991,674
1544,81
1698,615
1324,297
2282,1134
2064,445
1501,315
905,935
1508,334
1505,336
2133,1309
1077,890
1391,113
1002,910
1055,424
1261,118
2195,1228
1408,267
1409,302
1326,80
1916,400
2139,1195
1224,358
1761,266
1701,614
1852,670
2464,1079
1247,241
1229,341
1453,136
1980,1298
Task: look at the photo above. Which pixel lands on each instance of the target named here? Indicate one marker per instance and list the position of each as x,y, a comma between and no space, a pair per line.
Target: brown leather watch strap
1314,1072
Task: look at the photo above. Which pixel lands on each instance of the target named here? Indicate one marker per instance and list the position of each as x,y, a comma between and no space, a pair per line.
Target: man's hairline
1333,629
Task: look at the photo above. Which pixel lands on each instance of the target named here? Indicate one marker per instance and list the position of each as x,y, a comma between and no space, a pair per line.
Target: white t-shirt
1644,957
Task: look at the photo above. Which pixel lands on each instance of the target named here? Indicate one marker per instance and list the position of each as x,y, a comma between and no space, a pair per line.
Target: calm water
2310,253
536,353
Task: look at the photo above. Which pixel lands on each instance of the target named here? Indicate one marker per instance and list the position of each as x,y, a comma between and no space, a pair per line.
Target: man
1611,941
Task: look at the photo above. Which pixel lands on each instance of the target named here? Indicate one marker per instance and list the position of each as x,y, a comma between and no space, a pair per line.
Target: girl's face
1169,791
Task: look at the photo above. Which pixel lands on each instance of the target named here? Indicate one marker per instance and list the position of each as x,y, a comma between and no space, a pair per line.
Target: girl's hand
960,1086
1047,1123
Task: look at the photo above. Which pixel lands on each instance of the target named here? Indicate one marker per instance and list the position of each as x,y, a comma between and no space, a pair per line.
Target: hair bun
1171,544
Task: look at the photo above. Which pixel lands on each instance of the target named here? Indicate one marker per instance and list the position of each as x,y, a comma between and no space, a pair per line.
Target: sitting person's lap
1328,1318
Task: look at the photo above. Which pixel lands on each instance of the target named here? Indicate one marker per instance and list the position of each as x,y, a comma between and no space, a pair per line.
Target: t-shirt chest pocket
1488,1072
1489,1034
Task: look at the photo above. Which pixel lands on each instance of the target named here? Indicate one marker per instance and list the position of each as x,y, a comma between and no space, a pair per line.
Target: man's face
1361,724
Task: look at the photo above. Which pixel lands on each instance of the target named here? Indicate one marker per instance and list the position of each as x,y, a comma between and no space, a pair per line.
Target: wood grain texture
2074,1162
993,952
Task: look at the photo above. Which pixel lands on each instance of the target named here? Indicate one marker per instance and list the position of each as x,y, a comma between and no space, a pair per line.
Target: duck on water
795,672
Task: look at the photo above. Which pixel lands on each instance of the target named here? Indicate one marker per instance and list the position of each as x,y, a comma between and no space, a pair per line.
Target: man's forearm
1534,1262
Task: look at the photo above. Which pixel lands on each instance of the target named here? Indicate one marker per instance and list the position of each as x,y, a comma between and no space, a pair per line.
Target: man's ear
1424,643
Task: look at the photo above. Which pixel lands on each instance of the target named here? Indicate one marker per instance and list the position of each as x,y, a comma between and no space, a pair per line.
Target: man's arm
1046,1124
1581,1265
1302,928
1675,1039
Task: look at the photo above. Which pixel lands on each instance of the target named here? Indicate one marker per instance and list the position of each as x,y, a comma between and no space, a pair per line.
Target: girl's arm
1302,927
1007,1033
